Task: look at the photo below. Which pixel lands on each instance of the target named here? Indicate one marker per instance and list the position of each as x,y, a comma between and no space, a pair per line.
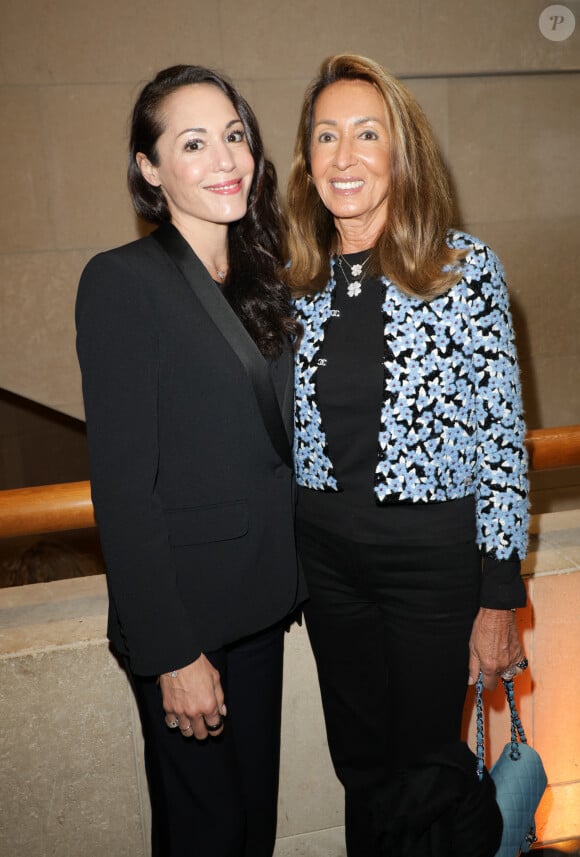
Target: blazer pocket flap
216,523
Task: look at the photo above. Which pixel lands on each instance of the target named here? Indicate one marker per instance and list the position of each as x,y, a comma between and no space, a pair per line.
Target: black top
349,387
350,381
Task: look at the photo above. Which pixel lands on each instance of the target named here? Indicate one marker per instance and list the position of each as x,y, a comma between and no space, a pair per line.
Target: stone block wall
71,772
502,97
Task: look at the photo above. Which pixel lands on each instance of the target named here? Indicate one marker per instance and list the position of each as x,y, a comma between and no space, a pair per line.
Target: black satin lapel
282,375
288,401
234,332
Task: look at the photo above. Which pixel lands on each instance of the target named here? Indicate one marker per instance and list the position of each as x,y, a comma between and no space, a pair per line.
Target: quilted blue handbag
519,777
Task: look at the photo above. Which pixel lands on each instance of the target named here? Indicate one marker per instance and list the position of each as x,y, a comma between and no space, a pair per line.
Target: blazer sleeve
501,484
118,351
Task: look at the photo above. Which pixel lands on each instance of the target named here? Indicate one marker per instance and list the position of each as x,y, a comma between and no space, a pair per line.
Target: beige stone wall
71,778
503,99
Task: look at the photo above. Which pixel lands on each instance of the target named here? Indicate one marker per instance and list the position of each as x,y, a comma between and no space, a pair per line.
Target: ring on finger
213,727
185,728
172,724
508,674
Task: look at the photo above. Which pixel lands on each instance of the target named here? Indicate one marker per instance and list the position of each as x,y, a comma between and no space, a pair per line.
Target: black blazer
190,461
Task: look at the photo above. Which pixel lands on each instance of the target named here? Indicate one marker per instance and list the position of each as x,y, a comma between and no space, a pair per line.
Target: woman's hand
193,699
494,646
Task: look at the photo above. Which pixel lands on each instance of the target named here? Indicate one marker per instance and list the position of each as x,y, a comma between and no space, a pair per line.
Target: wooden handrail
52,508
554,447
46,509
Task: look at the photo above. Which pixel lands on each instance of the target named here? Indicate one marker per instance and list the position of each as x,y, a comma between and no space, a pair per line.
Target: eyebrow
361,121
204,130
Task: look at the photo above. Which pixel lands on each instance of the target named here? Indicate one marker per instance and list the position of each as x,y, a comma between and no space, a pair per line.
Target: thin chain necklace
354,287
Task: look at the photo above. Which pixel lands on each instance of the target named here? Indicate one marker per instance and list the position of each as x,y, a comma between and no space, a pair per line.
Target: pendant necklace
354,287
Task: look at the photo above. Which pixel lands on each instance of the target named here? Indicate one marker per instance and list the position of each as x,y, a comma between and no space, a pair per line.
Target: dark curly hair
256,248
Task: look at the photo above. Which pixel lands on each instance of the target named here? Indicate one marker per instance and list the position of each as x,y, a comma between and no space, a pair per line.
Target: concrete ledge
71,767
71,770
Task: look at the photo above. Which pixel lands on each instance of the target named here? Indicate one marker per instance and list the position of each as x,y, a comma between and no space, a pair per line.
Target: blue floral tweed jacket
451,419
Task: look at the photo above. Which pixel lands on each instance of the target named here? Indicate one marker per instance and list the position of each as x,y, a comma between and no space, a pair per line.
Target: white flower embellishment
356,270
354,289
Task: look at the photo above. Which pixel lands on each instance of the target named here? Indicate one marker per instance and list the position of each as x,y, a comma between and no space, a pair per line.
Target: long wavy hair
412,250
254,287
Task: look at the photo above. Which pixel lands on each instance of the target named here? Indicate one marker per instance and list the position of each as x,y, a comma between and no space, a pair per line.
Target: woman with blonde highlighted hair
413,250
409,437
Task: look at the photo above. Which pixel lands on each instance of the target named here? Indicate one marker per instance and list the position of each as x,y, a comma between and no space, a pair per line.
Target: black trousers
218,797
389,628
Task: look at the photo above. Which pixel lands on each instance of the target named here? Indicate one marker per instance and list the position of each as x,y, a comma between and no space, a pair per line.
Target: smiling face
350,160
204,164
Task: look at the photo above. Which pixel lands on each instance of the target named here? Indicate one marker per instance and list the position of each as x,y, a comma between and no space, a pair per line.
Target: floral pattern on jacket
451,418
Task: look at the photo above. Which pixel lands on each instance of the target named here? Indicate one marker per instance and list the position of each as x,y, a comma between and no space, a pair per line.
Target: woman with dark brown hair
409,438
183,342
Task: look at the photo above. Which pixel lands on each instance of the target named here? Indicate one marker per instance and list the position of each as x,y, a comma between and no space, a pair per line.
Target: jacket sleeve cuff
502,586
